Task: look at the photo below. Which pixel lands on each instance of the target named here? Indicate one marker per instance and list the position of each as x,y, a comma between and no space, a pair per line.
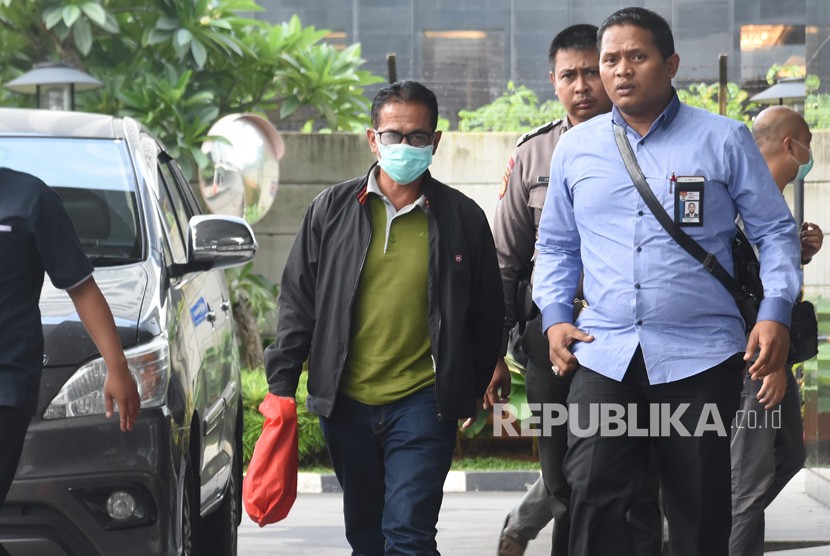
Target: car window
171,221
183,212
95,181
187,192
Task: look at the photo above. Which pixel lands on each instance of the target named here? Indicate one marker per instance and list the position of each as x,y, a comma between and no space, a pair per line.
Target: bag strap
708,260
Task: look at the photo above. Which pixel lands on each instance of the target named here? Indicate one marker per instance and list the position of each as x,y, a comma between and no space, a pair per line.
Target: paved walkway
795,520
470,523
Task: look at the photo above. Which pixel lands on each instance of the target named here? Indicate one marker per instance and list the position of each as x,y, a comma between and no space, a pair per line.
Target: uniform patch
503,189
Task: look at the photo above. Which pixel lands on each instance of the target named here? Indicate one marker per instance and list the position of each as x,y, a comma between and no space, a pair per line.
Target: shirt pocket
663,189
536,200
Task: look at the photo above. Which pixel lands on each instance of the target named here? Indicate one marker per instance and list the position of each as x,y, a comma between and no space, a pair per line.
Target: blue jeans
391,461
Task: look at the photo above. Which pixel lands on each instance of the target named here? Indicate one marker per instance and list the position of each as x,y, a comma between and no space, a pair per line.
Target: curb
457,481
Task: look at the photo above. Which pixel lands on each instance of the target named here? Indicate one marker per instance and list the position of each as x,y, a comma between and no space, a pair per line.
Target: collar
373,187
369,184
665,118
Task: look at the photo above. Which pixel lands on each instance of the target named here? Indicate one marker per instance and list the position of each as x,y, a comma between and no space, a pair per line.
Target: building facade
468,50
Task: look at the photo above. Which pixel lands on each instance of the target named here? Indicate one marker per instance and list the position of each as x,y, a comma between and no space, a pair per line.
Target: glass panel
816,399
765,45
469,64
94,179
170,218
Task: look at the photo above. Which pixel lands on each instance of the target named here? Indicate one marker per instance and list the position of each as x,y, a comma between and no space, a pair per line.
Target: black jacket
320,281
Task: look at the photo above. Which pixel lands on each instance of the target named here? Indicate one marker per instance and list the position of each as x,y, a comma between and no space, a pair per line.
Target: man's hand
119,384
811,239
773,388
773,340
498,391
499,384
120,387
561,336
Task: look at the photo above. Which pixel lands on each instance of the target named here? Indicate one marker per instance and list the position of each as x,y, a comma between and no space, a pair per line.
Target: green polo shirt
389,356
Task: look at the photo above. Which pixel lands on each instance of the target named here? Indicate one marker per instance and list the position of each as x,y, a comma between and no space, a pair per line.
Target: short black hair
405,91
577,37
647,19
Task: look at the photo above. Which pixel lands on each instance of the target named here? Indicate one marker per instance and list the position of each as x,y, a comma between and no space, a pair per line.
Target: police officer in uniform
575,78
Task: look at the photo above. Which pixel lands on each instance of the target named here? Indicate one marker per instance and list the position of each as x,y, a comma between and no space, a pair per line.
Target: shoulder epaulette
538,131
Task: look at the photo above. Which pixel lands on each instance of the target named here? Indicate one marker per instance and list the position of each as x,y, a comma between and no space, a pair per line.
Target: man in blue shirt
659,351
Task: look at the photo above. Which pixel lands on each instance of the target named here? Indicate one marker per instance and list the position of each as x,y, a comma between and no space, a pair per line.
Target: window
762,46
170,221
94,179
468,65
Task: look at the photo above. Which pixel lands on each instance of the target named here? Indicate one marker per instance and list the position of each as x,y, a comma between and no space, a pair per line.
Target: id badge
688,200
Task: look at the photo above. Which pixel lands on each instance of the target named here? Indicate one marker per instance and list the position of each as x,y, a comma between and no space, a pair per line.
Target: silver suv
172,485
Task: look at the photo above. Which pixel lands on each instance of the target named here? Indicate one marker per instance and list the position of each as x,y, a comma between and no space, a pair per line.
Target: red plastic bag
270,486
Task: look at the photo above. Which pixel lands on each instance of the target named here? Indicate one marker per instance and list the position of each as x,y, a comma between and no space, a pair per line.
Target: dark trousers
13,426
766,454
607,470
391,461
543,387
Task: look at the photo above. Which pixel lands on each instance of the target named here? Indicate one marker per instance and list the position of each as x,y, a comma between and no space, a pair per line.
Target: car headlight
83,393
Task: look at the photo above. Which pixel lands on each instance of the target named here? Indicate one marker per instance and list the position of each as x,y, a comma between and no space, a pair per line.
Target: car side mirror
217,241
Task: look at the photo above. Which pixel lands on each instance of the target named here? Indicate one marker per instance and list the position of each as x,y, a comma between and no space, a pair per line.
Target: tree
178,65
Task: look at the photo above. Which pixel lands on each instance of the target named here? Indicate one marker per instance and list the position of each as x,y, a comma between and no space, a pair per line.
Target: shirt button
639,249
639,323
639,213
391,239
637,286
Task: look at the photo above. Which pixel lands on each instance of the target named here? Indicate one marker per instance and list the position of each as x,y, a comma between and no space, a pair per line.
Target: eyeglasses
414,139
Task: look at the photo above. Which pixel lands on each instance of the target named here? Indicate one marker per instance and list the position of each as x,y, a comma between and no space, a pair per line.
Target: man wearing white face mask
768,449
393,287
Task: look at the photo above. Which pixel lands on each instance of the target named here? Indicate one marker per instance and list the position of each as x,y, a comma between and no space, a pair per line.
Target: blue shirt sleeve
558,262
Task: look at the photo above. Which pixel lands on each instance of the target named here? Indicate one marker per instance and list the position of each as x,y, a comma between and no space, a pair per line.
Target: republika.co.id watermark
612,419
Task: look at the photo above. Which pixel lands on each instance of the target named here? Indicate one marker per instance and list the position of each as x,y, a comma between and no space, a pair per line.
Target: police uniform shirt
36,235
521,197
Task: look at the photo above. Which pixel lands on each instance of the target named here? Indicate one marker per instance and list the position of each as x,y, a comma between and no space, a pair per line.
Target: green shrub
311,445
517,109
254,388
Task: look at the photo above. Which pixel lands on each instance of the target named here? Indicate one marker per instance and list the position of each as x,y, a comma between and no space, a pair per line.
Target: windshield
94,179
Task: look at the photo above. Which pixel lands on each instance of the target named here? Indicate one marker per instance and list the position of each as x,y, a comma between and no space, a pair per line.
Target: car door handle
213,416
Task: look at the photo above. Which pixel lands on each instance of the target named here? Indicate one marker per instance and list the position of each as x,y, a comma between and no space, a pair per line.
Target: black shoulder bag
747,289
